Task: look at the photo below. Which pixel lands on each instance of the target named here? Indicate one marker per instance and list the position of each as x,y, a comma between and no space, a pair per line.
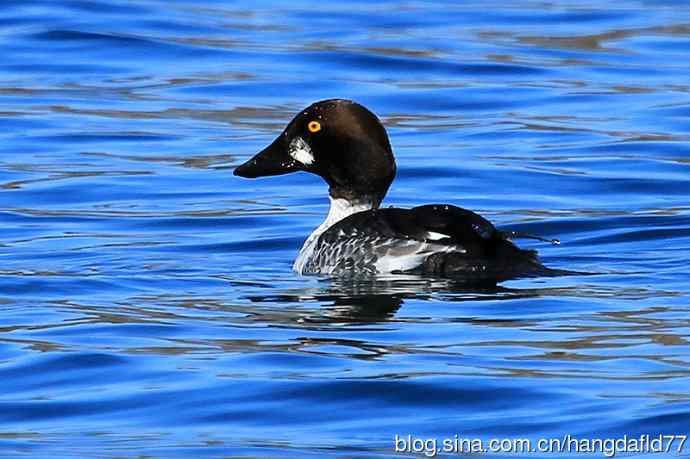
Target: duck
347,145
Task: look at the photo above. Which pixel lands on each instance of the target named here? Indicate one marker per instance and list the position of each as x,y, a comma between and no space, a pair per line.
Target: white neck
340,208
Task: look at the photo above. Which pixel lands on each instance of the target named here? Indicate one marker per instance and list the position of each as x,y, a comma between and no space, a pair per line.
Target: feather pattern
370,253
435,239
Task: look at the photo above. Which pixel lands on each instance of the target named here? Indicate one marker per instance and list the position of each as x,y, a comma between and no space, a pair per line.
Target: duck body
347,145
434,239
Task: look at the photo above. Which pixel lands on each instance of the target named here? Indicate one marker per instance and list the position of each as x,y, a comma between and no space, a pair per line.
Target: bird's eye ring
314,126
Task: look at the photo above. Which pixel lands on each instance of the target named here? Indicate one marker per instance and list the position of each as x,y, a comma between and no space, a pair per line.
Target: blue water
147,302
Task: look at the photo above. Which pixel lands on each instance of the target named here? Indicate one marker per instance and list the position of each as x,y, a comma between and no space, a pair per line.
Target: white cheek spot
300,151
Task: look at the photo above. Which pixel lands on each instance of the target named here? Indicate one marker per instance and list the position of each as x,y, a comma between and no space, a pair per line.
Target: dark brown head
337,139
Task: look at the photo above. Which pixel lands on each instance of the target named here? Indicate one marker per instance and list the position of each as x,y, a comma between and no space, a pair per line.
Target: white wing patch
403,256
434,236
300,151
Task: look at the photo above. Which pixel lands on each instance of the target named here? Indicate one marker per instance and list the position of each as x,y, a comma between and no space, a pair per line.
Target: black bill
275,159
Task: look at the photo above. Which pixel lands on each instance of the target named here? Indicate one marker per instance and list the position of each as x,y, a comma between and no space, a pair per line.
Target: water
148,308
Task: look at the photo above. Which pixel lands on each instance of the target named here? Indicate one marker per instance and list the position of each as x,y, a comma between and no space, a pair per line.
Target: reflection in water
373,299
378,299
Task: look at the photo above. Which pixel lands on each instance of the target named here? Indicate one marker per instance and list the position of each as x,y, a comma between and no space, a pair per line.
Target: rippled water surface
148,307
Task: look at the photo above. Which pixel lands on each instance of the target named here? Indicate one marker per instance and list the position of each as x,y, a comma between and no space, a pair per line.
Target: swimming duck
345,144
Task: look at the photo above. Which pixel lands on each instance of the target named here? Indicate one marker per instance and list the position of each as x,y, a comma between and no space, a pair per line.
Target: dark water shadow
369,300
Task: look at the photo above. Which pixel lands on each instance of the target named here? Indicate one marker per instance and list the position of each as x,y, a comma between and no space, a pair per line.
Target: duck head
340,141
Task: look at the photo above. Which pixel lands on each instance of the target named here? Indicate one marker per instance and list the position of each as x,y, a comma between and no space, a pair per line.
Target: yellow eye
314,126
